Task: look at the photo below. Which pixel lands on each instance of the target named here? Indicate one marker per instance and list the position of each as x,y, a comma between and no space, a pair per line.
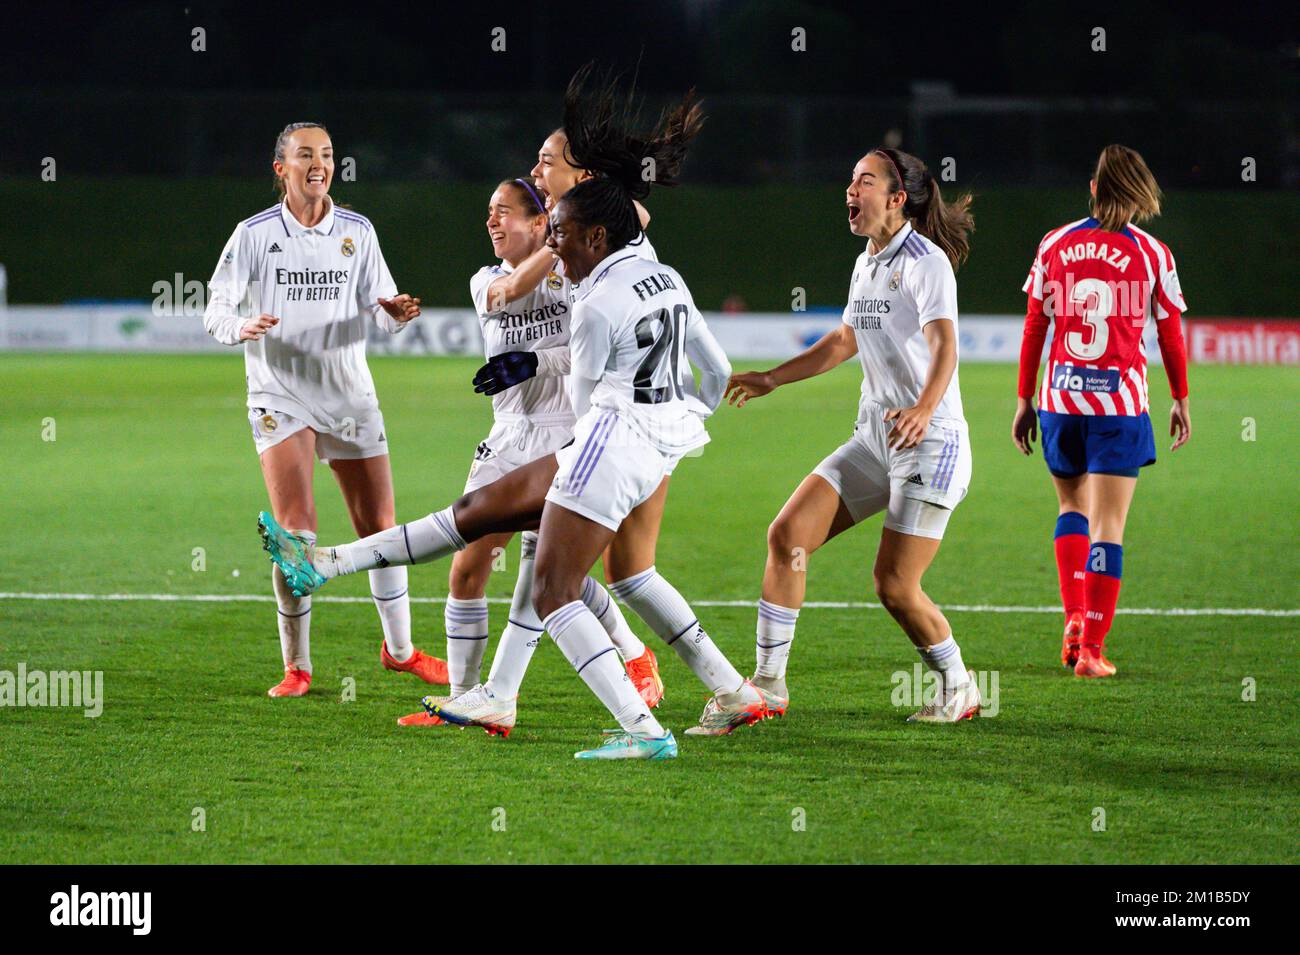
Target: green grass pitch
152,458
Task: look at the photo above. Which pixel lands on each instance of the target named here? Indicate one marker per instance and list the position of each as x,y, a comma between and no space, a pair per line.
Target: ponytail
1126,189
601,140
947,225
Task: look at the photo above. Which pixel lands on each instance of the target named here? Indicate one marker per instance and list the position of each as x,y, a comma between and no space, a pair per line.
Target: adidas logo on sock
916,479
275,247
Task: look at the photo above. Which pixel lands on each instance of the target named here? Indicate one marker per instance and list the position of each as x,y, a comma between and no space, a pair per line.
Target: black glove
505,371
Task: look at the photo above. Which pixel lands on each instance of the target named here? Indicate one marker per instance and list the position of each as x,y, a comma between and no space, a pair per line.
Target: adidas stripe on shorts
917,487
608,470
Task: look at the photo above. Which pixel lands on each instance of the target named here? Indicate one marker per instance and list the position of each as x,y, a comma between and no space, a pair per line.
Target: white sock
293,615
945,659
430,538
523,631
467,633
587,646
605,609
773,637
393,601
659,604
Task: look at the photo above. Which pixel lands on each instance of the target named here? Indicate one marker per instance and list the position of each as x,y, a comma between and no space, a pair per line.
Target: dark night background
146,130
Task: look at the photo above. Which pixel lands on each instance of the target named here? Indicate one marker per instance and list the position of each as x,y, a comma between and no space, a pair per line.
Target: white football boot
727,711
953,706
479,707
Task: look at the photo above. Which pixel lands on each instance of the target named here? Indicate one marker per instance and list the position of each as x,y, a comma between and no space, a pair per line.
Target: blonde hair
1126,189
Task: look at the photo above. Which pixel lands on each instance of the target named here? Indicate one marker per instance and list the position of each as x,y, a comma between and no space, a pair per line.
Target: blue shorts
1075,444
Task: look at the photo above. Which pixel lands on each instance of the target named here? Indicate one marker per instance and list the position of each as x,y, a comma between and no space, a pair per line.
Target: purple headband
881,152
533,192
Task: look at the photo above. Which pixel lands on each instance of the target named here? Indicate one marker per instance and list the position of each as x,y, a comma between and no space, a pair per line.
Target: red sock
1071,559
1102,593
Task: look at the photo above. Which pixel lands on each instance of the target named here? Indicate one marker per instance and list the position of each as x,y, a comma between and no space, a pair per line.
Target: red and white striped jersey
1098,288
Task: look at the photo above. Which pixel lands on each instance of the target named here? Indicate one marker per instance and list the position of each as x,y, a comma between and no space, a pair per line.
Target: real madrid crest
348,247
554,282
268,422
894,280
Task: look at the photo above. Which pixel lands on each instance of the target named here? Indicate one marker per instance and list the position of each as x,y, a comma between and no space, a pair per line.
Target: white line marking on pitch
812,604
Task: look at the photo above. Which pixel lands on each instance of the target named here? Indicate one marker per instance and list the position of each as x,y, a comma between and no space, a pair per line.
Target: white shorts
511,446
362,438
917,487
608,470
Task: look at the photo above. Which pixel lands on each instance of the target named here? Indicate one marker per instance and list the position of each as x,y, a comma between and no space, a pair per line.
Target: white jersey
634,327
895,293
536,322
322,283
640,245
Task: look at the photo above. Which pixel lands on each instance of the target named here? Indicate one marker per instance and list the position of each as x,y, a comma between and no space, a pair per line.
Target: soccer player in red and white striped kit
1097,280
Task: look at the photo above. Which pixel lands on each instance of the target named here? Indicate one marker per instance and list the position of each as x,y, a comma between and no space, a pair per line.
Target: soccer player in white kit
523,304
311,276
635,326
910,451
516,500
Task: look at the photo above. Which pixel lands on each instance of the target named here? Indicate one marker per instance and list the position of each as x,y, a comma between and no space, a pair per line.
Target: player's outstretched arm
521,281
833,350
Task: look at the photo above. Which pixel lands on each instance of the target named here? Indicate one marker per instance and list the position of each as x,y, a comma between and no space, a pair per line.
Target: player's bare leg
367,486
514,503
1109,498
287,472
1071,544
568,545
901,562
813,515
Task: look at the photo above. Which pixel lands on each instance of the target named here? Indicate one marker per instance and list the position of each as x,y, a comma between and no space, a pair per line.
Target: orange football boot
295,683
644,674
1071,640
421,719
427,668
1092,663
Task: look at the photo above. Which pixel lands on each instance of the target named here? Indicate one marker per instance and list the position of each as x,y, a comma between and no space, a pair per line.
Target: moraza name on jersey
866,312
533,324
312,285
1112,255
653,285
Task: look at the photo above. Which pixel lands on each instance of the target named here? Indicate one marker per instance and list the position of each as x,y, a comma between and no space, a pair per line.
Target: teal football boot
621,745
289,553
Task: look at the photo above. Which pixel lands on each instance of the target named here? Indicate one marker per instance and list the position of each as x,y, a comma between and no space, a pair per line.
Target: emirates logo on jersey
348,248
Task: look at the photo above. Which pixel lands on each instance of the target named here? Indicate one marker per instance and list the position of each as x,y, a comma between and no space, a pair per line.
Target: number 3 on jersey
665,344
1093,300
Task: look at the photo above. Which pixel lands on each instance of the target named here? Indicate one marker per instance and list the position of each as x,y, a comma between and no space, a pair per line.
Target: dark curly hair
624,163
